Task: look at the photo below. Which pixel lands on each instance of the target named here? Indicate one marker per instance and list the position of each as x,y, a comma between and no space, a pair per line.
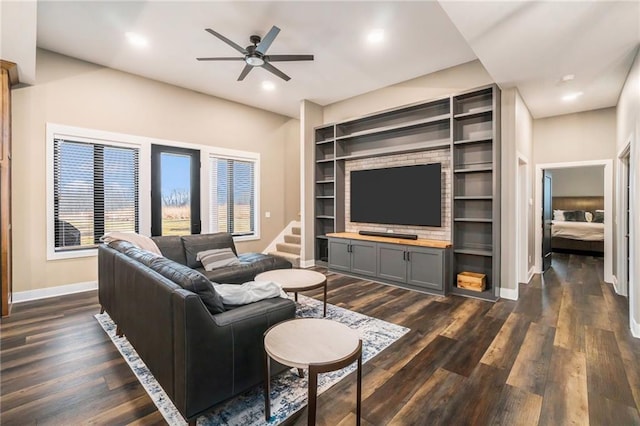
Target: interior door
547,216
175,191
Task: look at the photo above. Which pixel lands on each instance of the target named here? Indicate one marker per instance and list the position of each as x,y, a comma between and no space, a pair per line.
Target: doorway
175,191
607,203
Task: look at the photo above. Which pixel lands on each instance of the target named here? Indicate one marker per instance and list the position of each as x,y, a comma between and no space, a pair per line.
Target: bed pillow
574,216
558,215
598,216
217,258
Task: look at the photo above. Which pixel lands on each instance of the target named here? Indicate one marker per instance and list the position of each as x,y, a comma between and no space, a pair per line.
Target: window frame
96,137
54,131
244,156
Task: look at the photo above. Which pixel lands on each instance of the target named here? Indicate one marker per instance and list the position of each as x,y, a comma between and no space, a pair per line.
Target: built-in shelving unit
475,156
468,125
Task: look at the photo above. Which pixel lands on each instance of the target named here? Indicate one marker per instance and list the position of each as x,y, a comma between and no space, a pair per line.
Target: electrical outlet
529,258
267,214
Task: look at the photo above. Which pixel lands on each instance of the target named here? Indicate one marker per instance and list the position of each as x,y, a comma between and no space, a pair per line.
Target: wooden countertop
419,242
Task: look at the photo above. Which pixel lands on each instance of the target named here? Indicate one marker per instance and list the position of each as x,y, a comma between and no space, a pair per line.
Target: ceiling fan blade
226,40
267,40
244,72
267,66
281,58
220,59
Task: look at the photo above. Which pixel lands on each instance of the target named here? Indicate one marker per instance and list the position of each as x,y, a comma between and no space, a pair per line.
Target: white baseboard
532,271
614,281
307,263
509,293
43,293
635,328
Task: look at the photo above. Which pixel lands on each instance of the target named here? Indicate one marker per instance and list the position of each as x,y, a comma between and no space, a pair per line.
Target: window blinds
232,197
95,191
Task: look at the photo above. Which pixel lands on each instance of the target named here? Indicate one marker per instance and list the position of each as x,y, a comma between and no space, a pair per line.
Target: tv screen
409,195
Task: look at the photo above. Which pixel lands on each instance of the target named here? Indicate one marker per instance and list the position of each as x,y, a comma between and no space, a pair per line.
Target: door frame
608,210
621,284
523,196
195,197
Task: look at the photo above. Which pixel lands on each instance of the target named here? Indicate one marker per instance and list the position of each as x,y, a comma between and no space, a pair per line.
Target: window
232,201
95,191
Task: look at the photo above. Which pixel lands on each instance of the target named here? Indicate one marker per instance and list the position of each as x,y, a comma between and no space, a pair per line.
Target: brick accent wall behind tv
415,158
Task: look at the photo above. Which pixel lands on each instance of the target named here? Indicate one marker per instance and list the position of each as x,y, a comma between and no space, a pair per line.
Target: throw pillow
190,280
573,216
588,216
217,258
194,244
558,215
598,216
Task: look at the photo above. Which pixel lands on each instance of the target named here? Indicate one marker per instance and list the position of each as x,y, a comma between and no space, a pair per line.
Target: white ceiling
530,45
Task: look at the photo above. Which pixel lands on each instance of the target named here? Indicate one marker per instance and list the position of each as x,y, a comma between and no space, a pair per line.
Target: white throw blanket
249,292
140,241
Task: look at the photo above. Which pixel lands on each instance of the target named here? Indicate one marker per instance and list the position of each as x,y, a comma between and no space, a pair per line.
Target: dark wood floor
560,355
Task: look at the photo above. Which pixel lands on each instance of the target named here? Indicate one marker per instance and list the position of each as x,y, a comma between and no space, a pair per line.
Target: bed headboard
578,203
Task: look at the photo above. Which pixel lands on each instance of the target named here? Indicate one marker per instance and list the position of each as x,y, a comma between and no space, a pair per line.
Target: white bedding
586,231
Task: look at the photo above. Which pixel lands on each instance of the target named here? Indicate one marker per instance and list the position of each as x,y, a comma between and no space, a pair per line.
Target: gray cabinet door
339,255
363,257
391,262
425,267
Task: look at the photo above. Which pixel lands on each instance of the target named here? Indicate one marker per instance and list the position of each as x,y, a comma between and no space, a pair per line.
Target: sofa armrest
219,356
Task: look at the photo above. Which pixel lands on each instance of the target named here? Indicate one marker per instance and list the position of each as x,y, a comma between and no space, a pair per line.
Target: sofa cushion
171,248
190,280
143,256
217,258
194,244
250,265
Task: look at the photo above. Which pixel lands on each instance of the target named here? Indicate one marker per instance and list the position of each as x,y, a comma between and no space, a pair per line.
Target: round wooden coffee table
295,280
321,345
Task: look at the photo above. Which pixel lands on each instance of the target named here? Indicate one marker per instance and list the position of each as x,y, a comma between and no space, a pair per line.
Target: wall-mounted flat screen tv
409,195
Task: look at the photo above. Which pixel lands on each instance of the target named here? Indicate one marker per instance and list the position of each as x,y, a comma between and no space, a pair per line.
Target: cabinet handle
408,256
348,248
404,255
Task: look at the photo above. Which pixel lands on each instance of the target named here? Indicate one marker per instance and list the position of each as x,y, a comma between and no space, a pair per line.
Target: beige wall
76,93
628,128
585,181
582,136
430,86
292,170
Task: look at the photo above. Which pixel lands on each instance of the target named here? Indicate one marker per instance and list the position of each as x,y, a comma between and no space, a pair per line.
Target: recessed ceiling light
568,77
572,96
375,36
268,85
136,39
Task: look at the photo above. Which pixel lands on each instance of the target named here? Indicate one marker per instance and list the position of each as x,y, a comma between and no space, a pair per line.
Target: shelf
474,169
325,141
420,146
478,112
470,219
473,252
403,126
474,140
325,197
325,181
324,217
484,295
473,197
325,160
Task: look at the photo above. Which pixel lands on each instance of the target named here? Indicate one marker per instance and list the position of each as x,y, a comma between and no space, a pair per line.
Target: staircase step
295,230
288,248
293,258
293,239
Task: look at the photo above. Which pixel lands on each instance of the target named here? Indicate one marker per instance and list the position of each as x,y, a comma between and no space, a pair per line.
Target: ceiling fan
256,55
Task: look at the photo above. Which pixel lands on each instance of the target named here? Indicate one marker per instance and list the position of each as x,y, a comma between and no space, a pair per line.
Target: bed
578,236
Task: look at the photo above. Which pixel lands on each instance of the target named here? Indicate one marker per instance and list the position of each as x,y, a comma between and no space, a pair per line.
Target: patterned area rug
288,391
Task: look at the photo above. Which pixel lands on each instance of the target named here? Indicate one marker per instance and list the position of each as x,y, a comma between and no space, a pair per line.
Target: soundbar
389,235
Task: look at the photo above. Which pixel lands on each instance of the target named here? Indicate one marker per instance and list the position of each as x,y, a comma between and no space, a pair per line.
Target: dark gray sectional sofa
200,351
